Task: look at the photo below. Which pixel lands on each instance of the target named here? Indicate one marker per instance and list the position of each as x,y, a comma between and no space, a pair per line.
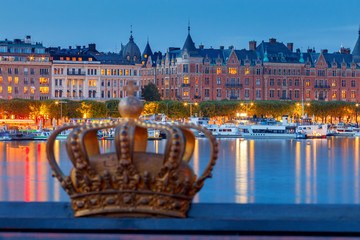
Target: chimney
201,46
252,45
298,50
69,47
309,50
222,47
324,51
28,39
231,47
290,46
345,50
78,47
92,47
272,40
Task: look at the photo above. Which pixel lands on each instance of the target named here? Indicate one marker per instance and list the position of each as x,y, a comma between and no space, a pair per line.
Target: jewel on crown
130,182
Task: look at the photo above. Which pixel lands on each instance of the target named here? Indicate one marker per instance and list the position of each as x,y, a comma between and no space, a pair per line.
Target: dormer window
134,58
128,58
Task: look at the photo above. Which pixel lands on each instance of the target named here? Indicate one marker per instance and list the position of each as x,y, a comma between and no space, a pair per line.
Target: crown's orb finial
130,107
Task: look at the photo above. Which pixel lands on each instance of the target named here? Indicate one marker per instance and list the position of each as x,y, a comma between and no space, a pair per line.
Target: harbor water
320,171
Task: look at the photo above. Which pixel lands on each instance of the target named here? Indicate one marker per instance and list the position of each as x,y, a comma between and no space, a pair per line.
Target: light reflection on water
247,171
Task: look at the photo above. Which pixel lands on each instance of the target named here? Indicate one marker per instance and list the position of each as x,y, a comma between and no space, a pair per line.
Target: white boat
5,136
42,135
202,121
63,135
270,131
312,130
343,132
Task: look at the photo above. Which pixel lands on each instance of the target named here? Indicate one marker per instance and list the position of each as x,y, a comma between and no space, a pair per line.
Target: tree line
49,109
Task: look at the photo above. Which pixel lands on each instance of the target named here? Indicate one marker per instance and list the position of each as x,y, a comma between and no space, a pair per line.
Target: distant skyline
321,24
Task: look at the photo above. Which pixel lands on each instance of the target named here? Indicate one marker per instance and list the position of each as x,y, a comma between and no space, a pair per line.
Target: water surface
247,171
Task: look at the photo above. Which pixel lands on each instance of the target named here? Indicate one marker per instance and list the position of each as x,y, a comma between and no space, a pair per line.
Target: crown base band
130,205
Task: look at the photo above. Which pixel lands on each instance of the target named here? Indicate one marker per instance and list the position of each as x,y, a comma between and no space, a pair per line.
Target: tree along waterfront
326,112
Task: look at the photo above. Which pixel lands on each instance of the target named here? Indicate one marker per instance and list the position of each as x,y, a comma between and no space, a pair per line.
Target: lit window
126,72
334,93
73,82
121,72
343,94
145,56
44,80
44,89
247,71
73,59
94,83
102,71
25,89
67,58
307,95
307,83
0,89
79,59
9,89
90,83
108,72
9,79
233,70
114,94
218,71
352,94
186,93
16,80
32,90
186,80
79,82
196,81
333,83
90,59
0,79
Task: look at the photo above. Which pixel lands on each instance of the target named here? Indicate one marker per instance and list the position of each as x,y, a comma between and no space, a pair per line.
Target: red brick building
267,71
24,70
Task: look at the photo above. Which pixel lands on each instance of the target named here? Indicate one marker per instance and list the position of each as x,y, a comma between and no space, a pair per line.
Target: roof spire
189,27
301,60
266,59
131,36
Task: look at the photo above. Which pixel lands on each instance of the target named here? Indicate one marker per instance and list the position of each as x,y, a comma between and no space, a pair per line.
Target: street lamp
195,103
246,107
61,102
356,105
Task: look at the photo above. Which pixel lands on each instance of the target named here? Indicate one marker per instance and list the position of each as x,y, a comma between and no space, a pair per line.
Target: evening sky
322,24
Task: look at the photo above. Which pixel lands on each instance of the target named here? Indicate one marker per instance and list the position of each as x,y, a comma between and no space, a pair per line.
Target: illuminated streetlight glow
61,102
185,104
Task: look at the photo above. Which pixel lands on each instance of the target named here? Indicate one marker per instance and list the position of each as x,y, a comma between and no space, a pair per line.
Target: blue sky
307,23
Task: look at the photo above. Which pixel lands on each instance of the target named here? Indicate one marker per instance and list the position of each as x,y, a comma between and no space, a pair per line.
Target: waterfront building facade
83,73
24,70
267,71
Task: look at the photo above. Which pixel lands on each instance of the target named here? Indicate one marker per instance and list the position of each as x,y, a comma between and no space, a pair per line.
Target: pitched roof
147,51
189,45
356,50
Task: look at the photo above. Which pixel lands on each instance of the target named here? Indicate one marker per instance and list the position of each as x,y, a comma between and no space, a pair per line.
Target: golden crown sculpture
130,182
